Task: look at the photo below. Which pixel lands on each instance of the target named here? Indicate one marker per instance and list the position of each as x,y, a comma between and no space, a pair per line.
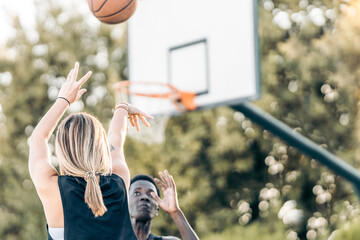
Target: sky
27,10
11,8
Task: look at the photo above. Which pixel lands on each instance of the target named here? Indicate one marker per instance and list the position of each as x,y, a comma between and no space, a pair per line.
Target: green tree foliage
233,178
36,66
350,231
231,172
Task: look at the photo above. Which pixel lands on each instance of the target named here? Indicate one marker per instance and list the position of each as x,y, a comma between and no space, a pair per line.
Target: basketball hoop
181,100
154,93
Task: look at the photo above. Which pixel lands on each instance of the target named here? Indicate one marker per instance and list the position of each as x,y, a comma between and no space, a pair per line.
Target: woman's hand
134,114
70,90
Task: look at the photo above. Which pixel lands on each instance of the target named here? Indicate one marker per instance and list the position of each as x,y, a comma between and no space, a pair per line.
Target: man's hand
170,205
167,184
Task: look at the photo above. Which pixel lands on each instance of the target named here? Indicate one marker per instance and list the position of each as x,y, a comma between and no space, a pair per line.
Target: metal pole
302,143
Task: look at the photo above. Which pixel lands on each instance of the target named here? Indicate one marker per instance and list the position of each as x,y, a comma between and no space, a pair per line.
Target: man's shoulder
154,237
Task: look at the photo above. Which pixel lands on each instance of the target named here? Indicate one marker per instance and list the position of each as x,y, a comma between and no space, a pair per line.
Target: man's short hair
145,178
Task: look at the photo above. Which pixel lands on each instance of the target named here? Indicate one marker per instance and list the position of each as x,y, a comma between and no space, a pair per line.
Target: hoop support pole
300,142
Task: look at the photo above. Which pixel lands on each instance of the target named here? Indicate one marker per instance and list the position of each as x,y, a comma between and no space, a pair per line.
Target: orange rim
174,95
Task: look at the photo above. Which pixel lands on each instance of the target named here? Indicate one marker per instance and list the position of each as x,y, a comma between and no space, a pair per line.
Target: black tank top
79,221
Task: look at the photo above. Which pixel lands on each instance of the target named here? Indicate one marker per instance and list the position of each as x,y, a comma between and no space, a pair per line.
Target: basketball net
168,95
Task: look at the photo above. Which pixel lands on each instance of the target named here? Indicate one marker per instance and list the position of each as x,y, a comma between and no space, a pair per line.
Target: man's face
142,206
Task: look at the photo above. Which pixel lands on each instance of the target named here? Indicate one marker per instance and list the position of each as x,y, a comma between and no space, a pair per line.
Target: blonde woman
88,199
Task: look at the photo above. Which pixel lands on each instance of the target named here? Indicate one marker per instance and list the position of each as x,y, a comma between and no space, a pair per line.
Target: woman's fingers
134,110
135,114
70,74
75,72
146,115
139,112
131,119
144,120
80,93
71,89
136,122
84,78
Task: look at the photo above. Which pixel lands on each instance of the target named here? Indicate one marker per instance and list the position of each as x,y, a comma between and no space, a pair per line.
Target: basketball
112,11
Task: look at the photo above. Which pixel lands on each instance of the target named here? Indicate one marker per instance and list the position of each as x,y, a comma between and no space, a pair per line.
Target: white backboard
203,46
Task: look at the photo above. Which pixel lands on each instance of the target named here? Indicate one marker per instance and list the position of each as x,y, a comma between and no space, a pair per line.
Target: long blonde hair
82,150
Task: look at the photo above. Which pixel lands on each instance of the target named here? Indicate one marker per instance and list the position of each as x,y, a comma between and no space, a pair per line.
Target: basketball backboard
209,47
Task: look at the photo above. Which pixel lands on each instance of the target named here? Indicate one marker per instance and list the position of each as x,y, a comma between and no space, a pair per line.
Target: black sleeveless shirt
79,221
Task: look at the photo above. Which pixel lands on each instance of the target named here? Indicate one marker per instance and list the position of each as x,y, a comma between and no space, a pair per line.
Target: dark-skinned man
144,203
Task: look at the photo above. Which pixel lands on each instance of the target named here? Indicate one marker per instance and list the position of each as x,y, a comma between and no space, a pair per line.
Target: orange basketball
112,11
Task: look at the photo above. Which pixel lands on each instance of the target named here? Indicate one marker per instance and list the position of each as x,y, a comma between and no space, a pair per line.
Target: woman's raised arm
40,167
117,134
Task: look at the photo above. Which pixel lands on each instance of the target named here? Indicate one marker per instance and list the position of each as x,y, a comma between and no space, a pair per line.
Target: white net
155,134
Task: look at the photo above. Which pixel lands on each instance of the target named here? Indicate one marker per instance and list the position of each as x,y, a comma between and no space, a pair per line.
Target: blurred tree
233,178
230,172
36,63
